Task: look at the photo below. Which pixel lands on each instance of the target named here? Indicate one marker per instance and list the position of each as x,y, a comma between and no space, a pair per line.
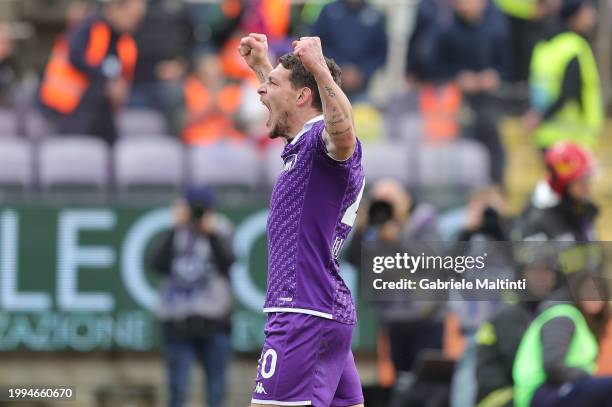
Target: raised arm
339,134
254,50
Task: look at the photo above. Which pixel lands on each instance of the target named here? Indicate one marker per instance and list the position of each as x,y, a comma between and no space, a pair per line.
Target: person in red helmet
561,209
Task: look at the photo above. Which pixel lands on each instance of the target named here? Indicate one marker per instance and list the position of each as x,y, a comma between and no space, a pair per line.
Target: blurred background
135,173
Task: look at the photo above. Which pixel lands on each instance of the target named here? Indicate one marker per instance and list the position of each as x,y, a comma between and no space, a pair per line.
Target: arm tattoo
260,75
340,132
334,122
330,92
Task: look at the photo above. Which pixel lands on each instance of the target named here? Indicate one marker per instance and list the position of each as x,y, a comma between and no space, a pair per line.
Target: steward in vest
88,74
529,21
211,105
498,339
564,82
556,359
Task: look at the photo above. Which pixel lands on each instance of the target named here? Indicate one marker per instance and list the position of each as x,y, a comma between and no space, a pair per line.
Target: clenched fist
254,50
309,51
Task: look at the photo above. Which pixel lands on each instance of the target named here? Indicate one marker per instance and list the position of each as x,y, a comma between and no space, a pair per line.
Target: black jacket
566,220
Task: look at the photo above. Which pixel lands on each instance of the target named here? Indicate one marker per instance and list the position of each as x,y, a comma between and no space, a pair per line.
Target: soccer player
306,357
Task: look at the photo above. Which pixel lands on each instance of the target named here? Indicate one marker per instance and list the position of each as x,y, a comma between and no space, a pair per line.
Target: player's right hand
254,50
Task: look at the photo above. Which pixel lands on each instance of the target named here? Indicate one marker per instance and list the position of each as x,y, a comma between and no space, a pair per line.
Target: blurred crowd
514,351
469,63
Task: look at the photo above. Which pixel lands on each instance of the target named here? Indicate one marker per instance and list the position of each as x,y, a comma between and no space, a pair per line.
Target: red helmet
567,162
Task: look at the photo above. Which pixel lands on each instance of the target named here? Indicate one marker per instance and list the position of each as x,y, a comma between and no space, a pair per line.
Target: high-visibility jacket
63,85
440,107
528,370
213,127
233,65
523,9
572,122
270,17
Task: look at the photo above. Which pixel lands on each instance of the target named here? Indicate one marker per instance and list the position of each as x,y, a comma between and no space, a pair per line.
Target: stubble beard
281,128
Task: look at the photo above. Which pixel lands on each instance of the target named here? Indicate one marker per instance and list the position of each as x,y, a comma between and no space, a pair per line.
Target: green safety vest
548,64
528,370
524,9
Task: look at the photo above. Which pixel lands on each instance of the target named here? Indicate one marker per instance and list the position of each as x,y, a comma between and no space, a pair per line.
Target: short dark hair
300,77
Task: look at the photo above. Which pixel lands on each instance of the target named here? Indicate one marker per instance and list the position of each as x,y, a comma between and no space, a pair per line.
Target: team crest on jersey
290,162
259,388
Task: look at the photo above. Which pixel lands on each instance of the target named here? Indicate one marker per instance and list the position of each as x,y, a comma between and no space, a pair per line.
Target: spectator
565,97
8,69
164,42
571,214
556,359
394,219
431,17
195,299
529,21
85,83
212,104
498,339
353,33
474,51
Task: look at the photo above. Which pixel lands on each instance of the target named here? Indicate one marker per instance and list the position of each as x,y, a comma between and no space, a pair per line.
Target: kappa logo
259,388
290,162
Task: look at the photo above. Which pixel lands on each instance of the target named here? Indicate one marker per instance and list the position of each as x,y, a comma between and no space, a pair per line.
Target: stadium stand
156,161
388,160
73,161
16,162
140,122
8,123
225,165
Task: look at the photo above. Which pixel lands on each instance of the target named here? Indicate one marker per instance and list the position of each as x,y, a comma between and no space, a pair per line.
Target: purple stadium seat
140,122
73,160
16,162
225,164
150,161
8,123
464,163
36,126
387,160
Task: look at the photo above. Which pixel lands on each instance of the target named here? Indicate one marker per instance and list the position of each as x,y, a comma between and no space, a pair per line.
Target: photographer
195,297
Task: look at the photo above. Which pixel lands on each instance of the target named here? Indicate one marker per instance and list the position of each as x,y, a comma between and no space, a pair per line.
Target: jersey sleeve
321,149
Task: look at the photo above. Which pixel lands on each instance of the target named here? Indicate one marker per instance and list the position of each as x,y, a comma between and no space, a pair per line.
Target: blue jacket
464,46
353,35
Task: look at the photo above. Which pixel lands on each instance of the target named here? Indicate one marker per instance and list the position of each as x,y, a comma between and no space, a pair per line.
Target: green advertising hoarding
76,279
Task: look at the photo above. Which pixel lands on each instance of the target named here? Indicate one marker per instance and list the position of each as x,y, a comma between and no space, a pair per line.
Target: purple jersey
313,206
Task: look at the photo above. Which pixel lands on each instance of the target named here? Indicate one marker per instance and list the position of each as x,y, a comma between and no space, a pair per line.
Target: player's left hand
309,51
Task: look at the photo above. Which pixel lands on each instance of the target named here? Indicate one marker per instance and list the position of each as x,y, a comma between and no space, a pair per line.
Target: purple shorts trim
307,360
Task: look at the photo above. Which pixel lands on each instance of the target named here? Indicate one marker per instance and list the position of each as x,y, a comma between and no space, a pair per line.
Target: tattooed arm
254,50
339,131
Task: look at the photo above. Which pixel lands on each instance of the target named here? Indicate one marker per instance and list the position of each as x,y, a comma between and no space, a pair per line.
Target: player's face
279,97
